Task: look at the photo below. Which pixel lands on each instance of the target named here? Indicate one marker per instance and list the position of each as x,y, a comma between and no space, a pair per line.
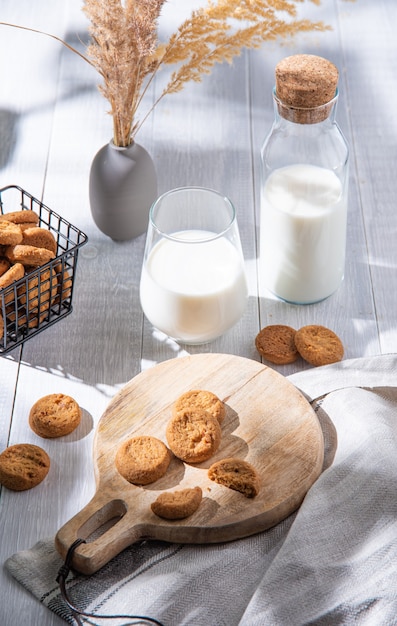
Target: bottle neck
297,115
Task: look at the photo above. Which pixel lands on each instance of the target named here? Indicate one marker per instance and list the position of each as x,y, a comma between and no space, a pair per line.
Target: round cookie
200,399
64,288
236,474
276,343
21,217
29,318
4,265
177,504
23,466
142,460
29,255
43,291
40,238
193,435
10,233
318,345
25,225
16,272
54,415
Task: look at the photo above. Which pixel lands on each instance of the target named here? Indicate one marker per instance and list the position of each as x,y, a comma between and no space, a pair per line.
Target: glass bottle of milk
304,184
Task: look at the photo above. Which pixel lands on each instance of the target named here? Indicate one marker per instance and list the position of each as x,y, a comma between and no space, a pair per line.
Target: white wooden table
52,122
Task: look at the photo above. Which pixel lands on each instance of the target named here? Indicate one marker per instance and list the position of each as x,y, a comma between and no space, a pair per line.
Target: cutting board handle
106,525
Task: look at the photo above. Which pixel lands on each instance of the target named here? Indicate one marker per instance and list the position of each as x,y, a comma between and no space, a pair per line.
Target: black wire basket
44,294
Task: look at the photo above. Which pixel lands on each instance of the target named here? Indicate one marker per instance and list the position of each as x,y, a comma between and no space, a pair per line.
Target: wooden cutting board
268,423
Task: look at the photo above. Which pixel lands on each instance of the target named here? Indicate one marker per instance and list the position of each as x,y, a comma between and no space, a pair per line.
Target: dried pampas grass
125,50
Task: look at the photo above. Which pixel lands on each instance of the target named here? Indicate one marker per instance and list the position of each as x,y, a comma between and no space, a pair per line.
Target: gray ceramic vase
122,188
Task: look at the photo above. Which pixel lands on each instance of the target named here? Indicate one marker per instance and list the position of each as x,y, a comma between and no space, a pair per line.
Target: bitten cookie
318,345
54,415
193,435
200,399
276,343
177,504
23,466
236,474
142,460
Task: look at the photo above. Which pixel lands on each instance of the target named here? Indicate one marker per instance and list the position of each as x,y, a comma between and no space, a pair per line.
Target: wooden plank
370,81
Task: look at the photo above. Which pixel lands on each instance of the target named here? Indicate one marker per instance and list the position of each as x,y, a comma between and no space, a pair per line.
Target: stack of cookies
25,247
193,435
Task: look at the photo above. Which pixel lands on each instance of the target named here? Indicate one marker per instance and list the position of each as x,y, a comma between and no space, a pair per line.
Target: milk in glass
193,286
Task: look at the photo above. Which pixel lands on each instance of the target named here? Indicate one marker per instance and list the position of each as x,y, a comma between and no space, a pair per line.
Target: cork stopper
305,88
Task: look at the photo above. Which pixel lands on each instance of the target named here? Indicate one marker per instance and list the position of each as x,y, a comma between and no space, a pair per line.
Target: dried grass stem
125,50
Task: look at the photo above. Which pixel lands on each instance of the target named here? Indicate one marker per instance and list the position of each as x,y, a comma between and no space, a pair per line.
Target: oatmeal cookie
276,343
29,255
64,279
318,345
200,399
14,273
4,265
23,317
193,435
40,238
23,466
10,233
54,415
236,474
142,460
25,216
177,504
42,289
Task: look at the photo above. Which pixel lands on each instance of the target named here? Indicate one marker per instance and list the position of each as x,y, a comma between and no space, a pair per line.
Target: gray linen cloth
334,561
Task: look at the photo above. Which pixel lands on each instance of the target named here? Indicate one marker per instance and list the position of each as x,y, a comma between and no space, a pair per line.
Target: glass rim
176,190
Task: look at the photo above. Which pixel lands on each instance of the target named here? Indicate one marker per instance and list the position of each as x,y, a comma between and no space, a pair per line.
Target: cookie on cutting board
201,399
142,460
236,474
193,435
177,504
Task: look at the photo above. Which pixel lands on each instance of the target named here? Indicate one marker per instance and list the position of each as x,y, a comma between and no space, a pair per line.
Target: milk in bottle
304,185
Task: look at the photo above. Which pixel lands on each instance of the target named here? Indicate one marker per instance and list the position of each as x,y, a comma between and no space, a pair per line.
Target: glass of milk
193,286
